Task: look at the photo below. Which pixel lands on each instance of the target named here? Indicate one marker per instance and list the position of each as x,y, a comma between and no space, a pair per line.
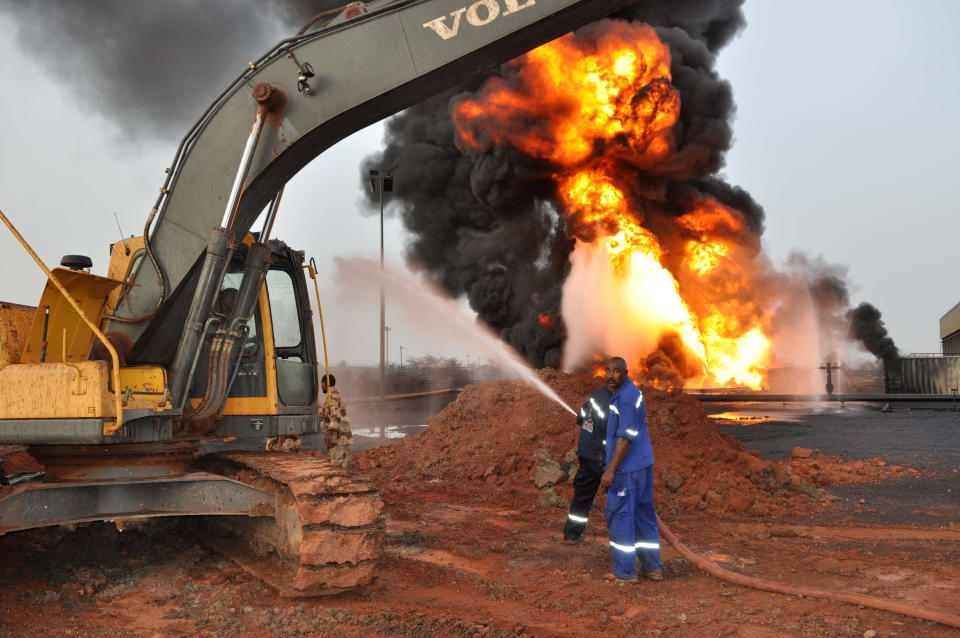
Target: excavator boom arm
363,69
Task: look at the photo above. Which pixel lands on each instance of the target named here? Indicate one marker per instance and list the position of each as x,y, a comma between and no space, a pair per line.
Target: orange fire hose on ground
944,618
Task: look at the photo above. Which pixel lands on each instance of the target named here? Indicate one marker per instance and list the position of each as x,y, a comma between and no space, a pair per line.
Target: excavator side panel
55,391
63,333
125,258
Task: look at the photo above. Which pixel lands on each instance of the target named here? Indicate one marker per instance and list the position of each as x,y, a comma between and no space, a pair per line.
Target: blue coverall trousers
632,523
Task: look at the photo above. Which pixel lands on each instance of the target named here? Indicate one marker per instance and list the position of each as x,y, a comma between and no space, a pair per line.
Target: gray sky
845,133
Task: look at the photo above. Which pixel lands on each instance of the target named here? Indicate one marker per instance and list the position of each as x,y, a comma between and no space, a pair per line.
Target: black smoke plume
867,327
151,66
483,223
670,364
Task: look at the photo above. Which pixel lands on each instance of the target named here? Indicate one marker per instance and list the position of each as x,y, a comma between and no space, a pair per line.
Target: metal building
950,331
932,373
929,374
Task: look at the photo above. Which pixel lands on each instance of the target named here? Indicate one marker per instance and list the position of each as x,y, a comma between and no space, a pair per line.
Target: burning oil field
574,197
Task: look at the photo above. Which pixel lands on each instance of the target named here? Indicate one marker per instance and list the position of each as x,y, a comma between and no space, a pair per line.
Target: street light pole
386,339
383,347
401,356
385,181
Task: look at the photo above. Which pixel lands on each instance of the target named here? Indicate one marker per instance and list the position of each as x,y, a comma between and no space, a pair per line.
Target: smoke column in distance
152,66
867,326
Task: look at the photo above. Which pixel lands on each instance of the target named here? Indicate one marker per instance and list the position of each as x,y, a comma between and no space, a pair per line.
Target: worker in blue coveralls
631,519
592,458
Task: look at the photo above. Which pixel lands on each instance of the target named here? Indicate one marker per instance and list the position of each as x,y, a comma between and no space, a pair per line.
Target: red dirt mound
517,446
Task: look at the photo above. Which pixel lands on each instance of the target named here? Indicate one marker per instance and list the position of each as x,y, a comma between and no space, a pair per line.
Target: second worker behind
592,456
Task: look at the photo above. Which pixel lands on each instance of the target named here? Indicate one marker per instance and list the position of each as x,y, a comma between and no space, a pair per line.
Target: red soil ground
473,546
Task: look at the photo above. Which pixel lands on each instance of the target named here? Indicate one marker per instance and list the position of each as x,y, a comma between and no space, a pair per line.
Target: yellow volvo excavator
201,330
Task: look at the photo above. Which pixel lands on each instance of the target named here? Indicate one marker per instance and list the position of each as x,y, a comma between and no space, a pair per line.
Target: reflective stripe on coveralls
596,407
639,545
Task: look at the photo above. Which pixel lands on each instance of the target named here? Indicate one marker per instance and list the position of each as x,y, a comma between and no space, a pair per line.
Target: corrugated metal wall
930,375
951,344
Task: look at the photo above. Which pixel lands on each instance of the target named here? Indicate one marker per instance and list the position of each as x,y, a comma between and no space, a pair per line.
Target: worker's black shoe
657,575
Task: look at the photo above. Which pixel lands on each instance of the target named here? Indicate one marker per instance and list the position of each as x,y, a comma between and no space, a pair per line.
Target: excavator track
324,536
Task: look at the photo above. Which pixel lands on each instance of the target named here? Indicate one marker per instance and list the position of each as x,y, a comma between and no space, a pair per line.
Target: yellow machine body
76,390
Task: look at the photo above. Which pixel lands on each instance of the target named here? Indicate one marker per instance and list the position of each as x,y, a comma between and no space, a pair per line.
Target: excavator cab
275,387
294,346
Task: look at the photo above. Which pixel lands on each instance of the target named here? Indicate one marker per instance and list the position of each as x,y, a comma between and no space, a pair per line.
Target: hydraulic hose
226,346
944,618
161,278
218,375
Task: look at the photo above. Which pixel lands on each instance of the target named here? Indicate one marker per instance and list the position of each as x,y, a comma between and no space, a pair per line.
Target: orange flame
703,257
581,107
620,91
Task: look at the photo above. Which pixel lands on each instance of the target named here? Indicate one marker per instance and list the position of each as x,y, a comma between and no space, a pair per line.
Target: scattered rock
550,497
548,473
672,481
813,492
675,566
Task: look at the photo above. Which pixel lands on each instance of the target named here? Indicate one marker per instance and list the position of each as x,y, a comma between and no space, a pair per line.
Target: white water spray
450,314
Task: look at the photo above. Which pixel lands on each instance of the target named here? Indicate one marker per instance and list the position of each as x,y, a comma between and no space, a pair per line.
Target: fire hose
944,618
